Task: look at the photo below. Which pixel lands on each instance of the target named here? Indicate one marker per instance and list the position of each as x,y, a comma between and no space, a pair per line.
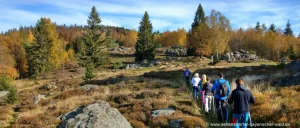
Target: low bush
117,65
5,85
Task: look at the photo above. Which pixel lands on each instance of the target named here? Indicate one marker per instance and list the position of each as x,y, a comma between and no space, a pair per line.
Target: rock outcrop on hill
122,50
241,55
97,115
176,51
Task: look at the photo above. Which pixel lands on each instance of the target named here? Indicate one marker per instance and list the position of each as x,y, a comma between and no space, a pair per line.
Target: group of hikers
218,93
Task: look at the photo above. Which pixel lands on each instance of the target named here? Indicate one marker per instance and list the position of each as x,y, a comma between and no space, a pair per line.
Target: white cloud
109,22
166,14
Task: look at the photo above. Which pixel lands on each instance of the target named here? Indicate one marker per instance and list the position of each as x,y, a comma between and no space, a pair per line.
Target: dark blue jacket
187,73
241,97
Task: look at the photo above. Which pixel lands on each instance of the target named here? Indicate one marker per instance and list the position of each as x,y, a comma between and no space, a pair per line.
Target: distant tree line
32,50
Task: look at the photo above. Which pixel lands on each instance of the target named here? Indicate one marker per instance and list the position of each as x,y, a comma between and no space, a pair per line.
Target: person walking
222,88
187,74
208,95
200,88
241,97
195,82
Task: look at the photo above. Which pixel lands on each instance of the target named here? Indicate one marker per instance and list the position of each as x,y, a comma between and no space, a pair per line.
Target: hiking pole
228,107
214,104
203,103
250,120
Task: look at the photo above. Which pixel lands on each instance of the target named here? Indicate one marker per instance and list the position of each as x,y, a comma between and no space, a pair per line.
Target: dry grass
251,64
137,124
25,84
50,111
6,115
134,96
70,93
278,106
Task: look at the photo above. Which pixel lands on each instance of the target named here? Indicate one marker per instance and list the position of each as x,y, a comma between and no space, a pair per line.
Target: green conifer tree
288,30
94,50
199,17
145,46
272,28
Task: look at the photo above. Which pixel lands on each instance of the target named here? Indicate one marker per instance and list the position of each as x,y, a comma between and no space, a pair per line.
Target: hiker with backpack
222,88
208,95
187,74
195,82
241,97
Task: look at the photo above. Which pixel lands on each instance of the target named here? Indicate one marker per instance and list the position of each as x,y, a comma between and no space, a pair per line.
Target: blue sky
164,14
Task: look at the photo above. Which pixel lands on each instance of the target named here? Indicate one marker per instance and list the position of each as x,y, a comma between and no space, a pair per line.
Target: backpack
223,89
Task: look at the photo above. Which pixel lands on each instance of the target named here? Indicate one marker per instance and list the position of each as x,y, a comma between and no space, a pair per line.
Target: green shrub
5,84
89,74
117,65
281,65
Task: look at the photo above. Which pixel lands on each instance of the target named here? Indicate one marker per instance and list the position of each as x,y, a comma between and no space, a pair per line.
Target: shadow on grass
110,80
121,55
176,75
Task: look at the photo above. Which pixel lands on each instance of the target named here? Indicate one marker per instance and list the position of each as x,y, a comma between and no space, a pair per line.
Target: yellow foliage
200,39
170,38
131,38
30,37
7,62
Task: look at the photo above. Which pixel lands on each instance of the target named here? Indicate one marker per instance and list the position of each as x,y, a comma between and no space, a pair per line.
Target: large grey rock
96,115
145,61
37,98
162,112
3,93
176,123
122,50
176,51
153,63
227,57
239,55
253,57
89,87
131,66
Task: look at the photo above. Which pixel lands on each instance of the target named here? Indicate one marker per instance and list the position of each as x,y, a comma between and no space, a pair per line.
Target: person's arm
214,86
228,88
231,98
193,81
252,99
199,84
